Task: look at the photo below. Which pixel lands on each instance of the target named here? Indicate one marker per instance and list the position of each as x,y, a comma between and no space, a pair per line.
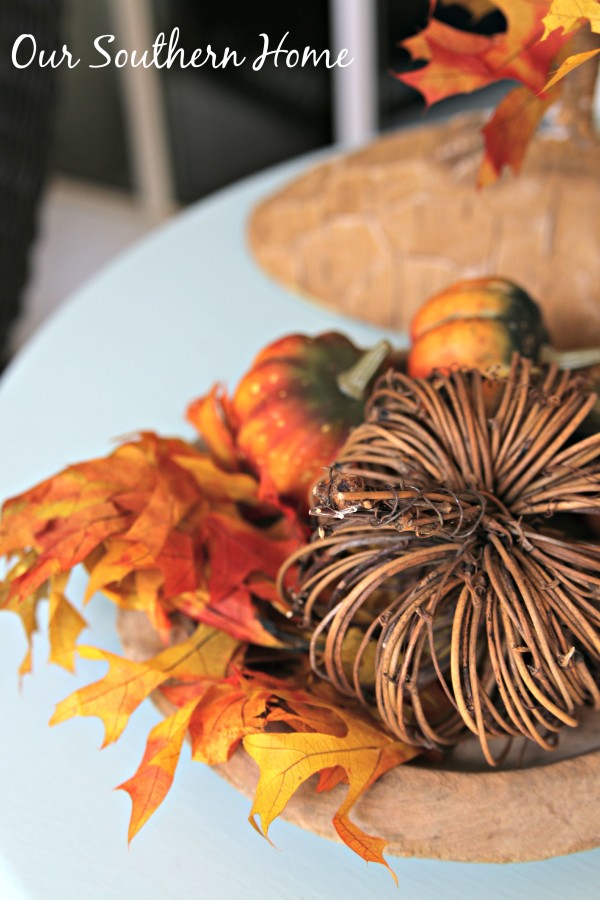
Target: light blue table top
156,329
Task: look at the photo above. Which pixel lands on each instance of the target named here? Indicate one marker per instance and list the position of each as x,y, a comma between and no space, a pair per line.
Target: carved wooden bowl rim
437,811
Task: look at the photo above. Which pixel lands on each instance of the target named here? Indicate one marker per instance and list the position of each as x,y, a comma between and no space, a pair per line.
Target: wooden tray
458,811
375,233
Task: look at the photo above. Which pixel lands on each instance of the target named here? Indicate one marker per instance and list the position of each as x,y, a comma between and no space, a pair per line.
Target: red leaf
509,131
238,550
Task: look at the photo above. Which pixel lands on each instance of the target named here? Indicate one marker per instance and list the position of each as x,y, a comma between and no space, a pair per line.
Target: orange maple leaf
154,777
160,527
461,62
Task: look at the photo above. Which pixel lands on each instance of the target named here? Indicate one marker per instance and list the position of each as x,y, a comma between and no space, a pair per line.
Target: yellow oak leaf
218,714
206,654
65,622
286,761
26,610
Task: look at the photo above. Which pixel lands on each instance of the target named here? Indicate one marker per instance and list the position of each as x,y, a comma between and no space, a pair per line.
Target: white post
355,90
146,121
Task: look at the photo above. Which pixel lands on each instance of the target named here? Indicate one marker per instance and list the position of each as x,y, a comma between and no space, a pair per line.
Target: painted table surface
184,308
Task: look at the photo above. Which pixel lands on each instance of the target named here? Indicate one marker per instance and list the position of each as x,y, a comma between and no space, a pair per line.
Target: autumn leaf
288,760
330,778
218,713
238,551
455,62
509,131
226,714
132,494
154,777
160,527
206,654
569,64
310,713
238,614
26,610
570,14
210,416
461,62
65,624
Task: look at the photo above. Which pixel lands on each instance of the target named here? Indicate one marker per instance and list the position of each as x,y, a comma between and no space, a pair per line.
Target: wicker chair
27,103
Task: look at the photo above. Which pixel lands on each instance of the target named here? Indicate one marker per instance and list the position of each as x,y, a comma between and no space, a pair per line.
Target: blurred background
92,159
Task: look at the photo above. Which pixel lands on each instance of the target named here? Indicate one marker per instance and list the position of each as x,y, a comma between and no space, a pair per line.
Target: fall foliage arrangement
366,557
434,589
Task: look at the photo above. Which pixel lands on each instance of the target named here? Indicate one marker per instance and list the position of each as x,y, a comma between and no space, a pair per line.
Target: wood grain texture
458,810
375,233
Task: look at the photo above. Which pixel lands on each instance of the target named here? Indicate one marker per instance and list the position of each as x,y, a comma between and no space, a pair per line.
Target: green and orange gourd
481,323
478,323
291,412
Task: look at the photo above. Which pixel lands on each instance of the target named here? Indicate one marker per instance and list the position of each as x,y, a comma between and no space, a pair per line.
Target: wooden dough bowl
459,810
375,233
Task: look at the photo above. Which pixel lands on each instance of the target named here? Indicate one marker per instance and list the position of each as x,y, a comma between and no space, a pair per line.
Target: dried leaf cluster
534,51
162,528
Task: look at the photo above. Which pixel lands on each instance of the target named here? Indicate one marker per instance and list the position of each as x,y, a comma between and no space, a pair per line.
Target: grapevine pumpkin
436,563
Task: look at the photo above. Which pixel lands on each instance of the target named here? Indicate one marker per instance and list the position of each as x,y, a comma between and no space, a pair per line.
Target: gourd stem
353,383
570,359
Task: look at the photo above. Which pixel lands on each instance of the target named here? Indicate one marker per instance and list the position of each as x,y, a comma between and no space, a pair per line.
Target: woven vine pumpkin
446,559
